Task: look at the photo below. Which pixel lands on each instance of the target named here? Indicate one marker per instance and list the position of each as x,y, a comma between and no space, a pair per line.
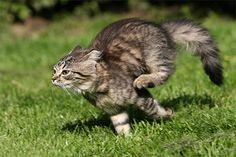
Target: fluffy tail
198,40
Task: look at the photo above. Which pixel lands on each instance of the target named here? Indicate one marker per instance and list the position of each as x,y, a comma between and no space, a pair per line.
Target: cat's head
77,70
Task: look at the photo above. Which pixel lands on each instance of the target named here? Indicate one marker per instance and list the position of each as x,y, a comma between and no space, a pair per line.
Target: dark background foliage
19,10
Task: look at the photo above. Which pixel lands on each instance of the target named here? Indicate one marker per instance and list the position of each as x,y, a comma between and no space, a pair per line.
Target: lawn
38,119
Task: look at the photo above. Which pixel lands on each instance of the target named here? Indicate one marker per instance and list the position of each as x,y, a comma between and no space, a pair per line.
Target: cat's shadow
187,99
138,116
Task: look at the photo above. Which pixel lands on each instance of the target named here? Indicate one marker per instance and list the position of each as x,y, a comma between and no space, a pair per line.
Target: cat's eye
65,72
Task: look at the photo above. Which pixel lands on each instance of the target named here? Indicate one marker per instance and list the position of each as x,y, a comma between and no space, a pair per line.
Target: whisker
52,91
67,92
73,92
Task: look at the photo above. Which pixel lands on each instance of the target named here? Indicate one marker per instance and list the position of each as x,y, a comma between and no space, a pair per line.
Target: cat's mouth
68,85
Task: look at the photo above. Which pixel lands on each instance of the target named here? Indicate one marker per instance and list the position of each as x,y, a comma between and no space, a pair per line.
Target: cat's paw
169,113
165,113
143,81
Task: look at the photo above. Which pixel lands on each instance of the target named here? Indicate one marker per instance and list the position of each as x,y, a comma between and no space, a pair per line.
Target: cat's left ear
95,55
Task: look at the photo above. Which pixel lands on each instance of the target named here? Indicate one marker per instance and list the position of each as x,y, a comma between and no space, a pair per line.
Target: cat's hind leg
151,107
160,66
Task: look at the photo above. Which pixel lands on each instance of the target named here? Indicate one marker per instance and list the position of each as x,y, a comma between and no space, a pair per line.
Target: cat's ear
77,49
95,55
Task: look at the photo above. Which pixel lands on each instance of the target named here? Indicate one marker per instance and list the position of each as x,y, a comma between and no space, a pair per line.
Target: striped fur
129,56
121,123
197,40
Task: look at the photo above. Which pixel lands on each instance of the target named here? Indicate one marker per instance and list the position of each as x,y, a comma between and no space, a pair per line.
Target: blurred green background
47,11
34,15
20,10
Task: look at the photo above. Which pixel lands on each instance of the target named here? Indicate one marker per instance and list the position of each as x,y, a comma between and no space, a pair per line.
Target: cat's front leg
121,123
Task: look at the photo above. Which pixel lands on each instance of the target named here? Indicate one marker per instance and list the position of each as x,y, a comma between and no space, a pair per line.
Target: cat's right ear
95,55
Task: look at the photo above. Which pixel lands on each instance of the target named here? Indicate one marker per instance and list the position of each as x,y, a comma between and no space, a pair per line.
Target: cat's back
125,45
127,32
124,38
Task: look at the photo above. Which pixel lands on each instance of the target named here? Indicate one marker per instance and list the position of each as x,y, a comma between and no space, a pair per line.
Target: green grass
38,119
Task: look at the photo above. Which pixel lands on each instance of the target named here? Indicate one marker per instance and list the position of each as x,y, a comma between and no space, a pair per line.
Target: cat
129,56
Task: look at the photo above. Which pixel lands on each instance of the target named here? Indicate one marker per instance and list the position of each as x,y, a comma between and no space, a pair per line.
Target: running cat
129,56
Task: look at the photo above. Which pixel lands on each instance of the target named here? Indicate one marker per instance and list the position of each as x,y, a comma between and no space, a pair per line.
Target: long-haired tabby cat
129,56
